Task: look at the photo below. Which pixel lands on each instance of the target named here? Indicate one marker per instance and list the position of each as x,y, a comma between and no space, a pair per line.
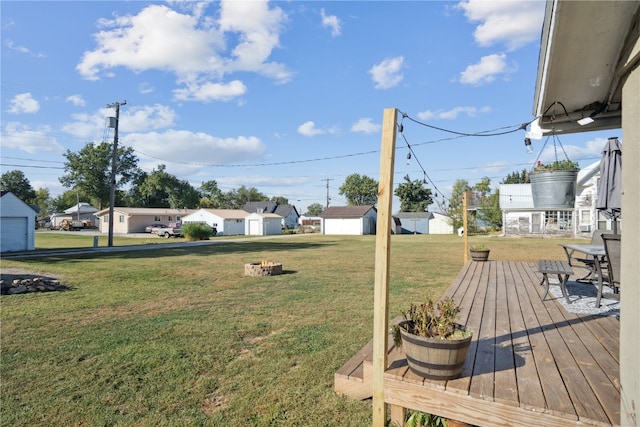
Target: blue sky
286,97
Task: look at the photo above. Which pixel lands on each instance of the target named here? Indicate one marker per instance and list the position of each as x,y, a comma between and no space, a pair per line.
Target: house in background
519,217
313,223
289,213
349,220
82,212
17,224
262,224
134,220
226,222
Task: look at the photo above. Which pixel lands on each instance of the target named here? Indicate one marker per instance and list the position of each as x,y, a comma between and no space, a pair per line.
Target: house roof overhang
587,50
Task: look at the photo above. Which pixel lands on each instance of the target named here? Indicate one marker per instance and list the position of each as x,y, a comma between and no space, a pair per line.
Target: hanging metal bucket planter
554,189
553,186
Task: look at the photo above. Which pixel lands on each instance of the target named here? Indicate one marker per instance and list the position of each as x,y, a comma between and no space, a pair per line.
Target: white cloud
145,88
512,22
11,45
486,70
19,136
453,113
593,148
192,47
309,129
24,103
211,91
137,119
365,125
132,119
181,149
76,100
387,73
332,22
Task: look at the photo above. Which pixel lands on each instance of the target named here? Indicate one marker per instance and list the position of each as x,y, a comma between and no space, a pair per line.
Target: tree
160,189
359,190
43,200
483,188
490,211
245,195
15,182
210,194
314,209
414,196
517,178
280,200
89,170
455,210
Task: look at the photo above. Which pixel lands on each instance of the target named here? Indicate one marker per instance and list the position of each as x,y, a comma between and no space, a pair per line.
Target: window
156,219
105,219
170,219
121,219
585,217
558,220
602,221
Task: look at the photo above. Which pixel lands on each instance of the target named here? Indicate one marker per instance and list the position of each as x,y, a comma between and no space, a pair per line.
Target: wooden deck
531,363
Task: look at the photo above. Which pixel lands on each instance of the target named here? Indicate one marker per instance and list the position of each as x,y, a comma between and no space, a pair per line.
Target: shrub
194,231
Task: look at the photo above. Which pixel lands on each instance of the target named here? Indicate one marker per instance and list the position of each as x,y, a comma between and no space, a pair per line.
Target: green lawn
181,337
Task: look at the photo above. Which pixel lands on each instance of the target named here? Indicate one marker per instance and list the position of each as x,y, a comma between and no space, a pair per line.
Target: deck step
355,378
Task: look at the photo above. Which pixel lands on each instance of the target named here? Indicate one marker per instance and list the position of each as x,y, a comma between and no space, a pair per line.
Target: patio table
595,251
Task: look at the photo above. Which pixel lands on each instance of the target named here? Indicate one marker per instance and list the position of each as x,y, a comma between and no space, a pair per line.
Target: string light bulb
527,144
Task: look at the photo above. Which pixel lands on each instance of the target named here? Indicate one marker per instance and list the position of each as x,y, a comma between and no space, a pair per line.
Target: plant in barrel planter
434,343
479,252
554,185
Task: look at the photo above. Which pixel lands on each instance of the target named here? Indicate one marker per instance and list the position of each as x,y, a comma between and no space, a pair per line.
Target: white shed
227,222
262,224
440,224
17,224
349,220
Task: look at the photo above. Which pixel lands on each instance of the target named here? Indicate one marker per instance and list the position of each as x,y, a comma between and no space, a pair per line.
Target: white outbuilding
17,224
262,224
226,222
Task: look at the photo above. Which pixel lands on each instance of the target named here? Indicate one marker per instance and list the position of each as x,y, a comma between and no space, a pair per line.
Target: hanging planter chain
556,142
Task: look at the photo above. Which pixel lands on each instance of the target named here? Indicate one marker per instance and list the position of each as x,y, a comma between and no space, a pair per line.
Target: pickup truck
173,230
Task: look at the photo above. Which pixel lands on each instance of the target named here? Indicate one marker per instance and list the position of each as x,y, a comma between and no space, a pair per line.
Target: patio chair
589,263
612,249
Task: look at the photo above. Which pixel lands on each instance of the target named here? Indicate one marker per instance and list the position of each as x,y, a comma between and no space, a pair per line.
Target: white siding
17,224
346,226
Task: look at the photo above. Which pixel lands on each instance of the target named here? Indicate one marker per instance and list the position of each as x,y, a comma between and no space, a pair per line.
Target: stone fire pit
264,268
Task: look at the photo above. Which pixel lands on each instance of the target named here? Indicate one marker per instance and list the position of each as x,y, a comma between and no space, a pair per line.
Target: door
536,223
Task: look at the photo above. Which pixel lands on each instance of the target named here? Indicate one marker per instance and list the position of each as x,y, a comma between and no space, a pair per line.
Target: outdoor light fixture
585,121
408,159
589,119
527,143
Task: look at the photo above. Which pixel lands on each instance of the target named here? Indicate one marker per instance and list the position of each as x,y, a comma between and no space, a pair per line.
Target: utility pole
114,159
328,198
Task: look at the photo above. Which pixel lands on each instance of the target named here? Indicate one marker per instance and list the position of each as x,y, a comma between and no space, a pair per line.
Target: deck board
530,362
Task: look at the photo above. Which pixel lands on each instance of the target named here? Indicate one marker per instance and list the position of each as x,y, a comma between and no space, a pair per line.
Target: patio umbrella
609,194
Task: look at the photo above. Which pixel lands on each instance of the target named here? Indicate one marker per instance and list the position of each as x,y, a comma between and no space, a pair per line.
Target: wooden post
464,226
383,240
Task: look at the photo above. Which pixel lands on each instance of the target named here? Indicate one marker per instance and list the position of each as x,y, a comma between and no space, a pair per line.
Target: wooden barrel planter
435,358
479,254
554,189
